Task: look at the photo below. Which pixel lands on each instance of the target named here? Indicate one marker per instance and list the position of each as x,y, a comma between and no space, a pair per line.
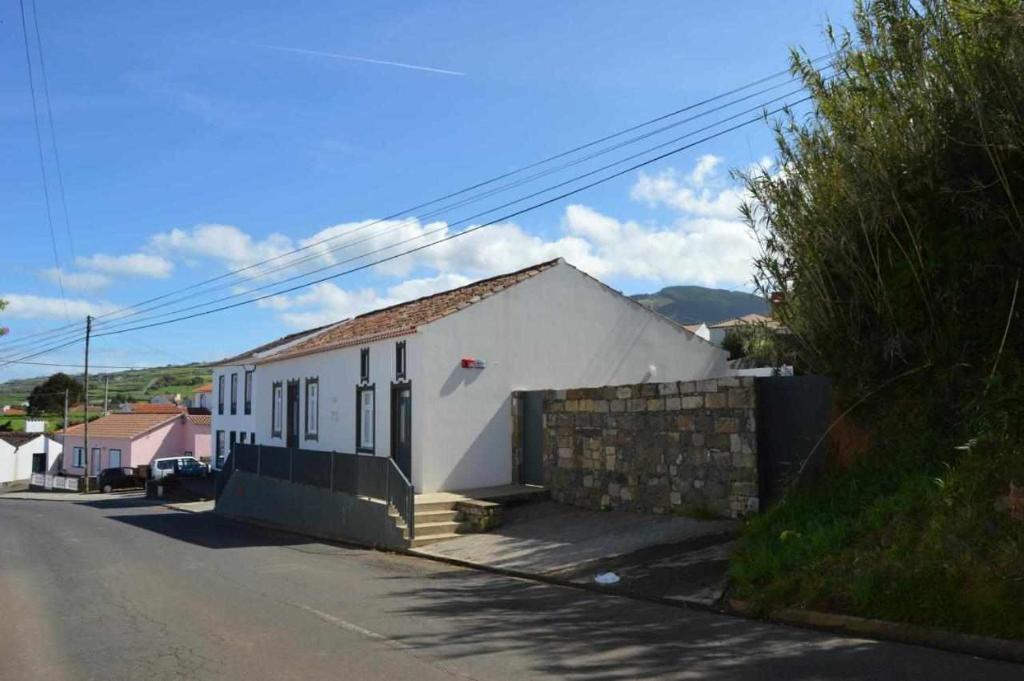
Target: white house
429,382
22,454
231,399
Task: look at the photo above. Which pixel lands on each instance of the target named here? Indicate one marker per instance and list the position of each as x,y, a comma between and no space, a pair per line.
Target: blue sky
197,138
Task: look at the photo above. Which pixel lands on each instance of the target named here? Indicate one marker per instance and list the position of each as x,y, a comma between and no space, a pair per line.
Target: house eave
363,340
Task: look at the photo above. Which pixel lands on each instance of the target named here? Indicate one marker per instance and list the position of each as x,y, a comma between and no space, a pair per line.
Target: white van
184,465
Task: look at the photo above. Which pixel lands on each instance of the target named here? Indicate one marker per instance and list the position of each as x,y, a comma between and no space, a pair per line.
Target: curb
884,630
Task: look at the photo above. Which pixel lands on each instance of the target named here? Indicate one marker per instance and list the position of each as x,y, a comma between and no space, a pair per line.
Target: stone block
555,407
673,404
741,397
687,387
558,395
716,400
575,394
655,404
726,424
728,382
614,489
637,404
599,406
572,406
693,402
667,389
649,390
685,422
624,392
707,386
588,481
626,494
735,443
675,498
617,406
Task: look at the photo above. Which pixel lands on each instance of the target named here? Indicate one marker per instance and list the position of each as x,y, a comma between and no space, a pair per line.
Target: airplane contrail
349,57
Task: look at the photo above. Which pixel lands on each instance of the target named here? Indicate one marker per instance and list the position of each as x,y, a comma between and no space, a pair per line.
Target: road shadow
577,634
133,501
210,530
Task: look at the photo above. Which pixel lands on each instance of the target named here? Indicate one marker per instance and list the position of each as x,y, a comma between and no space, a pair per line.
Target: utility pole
64,434
106,386
88,454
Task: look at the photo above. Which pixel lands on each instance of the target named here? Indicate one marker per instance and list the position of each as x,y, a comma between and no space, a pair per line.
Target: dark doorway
532,406
293,414
401,427
792,418
39,463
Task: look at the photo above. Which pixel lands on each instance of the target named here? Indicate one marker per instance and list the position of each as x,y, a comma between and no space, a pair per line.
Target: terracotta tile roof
149,408
201,419
128,426
250,355
407,317
205,388
14,411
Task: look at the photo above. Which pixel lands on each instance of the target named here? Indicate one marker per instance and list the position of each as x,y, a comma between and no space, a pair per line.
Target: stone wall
686,447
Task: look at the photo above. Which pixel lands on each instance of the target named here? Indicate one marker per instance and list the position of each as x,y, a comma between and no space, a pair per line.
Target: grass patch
906,536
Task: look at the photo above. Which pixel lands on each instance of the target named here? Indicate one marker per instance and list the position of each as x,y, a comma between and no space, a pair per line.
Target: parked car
118,478
186,466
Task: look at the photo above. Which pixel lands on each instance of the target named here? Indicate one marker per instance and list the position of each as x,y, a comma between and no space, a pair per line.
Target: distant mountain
695,304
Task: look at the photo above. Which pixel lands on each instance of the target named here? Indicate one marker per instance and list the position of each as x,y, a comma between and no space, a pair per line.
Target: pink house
130,439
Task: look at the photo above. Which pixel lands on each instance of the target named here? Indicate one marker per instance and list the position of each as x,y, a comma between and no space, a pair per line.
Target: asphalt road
123,590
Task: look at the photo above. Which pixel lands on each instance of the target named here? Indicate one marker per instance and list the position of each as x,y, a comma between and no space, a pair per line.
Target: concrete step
445,527
427,507
430,539
436,516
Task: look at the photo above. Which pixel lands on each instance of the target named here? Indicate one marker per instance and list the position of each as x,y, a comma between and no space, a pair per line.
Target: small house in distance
429,382
135,439
25,453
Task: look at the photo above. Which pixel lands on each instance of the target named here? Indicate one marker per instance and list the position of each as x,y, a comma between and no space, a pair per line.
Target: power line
120,322
465,220
53,133
450,237
42,163
470,188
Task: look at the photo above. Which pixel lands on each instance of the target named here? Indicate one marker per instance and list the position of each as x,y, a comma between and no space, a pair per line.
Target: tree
3,329
48,396
894,225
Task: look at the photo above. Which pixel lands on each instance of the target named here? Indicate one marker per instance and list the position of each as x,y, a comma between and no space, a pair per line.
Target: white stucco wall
16,463
240,422
559,329
338,374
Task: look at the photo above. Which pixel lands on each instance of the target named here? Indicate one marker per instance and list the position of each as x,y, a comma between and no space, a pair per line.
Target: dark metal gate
792,418
532,410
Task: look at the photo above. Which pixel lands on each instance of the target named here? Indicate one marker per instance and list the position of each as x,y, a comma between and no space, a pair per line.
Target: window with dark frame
219,451
79,457
365,422
364,365
248,392
234,394
400,361
312,408
252,438
275,410
220,394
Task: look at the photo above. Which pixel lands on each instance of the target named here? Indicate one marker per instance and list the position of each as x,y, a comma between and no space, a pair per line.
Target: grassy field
135,385
53,421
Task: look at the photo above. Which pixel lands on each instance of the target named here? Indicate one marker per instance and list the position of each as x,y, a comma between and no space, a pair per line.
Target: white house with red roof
429,382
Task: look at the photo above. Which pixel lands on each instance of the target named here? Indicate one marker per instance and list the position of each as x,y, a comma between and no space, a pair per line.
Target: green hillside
133,385
695,304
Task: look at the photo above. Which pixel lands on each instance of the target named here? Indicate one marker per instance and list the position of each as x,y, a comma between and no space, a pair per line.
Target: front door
293,414
401,428
532,404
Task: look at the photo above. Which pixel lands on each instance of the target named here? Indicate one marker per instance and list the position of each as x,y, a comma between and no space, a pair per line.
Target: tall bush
894,226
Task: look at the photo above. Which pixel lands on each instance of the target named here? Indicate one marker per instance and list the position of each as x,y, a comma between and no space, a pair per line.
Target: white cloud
25,306
227,243
704,242
77,281
132,264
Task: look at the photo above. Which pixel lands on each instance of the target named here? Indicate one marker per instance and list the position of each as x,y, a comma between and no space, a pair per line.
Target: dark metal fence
373,477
